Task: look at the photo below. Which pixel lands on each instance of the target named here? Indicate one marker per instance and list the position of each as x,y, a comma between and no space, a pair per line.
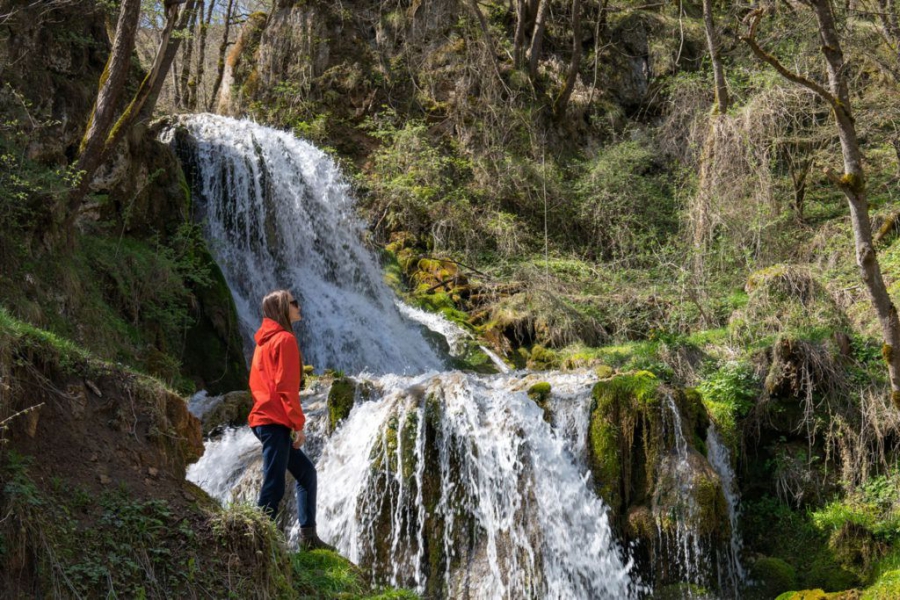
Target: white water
720,459
482,480
686,545
278,214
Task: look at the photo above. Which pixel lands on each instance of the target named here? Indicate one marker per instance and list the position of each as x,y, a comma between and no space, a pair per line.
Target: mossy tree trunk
223,47
103,134
201,59
852,183
183,99
890,22
519,35
112,82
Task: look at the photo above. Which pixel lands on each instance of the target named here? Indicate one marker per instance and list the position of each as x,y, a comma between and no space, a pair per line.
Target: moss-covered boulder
772,576
341,398
688,494
540,394
230,410
624,409
646,445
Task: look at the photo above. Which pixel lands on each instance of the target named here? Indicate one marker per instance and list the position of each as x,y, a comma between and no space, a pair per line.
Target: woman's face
295,310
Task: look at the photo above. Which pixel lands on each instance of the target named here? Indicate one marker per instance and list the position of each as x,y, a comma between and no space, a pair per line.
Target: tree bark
144,101
890,23
112,82
201,59
183,99
537,39
101,144
712,40
574,64
852,183
519,36
223,47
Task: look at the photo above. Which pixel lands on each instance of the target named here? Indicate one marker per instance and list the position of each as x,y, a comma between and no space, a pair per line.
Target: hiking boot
310,541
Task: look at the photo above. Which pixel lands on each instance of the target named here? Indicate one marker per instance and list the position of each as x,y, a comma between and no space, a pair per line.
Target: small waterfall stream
450,483
720,459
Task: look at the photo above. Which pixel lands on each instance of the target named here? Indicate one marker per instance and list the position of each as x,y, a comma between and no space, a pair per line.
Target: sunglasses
295,304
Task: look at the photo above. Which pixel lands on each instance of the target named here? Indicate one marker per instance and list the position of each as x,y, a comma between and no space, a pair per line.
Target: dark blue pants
279,456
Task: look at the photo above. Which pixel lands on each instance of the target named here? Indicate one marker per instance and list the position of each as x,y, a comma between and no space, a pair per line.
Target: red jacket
275,377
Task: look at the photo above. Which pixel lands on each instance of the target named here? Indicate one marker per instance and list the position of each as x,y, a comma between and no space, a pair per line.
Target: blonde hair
277,306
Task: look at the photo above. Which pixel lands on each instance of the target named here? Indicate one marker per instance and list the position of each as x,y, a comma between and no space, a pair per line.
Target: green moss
642,386
886,587
341,397
540,393
713,509
773,576
603,449
542,359
604,372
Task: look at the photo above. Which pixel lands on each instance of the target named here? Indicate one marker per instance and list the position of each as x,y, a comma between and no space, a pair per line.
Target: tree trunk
201,59
853,184
574,64
183,100
102,145
890,23
112,82
144,101
223,47
712,40
537,39
519,37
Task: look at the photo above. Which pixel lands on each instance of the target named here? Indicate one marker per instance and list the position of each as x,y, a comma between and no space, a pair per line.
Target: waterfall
685,545
278,214
454,484
720,459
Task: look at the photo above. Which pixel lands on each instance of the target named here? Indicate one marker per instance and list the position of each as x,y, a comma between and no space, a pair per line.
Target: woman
277,418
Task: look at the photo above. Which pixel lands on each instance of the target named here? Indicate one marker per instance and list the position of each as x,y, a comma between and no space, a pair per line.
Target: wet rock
231,410
540,394
341,398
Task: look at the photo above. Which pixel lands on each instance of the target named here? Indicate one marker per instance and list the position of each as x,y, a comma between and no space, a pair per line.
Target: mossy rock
773,576
822,595
540,393
213,350
887,587
619,404
232,410
604,372
826,574
680,591
542,359
341,397
703,508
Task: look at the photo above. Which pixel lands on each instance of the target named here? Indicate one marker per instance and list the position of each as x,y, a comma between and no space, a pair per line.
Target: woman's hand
299,439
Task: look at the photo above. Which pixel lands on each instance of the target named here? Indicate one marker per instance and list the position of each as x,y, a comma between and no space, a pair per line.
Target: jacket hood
267,330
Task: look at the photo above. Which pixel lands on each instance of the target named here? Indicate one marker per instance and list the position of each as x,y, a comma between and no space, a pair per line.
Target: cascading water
720,459
685,545
451,483
471,477
277,213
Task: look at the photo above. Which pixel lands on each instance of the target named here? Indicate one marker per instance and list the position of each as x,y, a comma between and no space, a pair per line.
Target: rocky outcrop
646,448
51,60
